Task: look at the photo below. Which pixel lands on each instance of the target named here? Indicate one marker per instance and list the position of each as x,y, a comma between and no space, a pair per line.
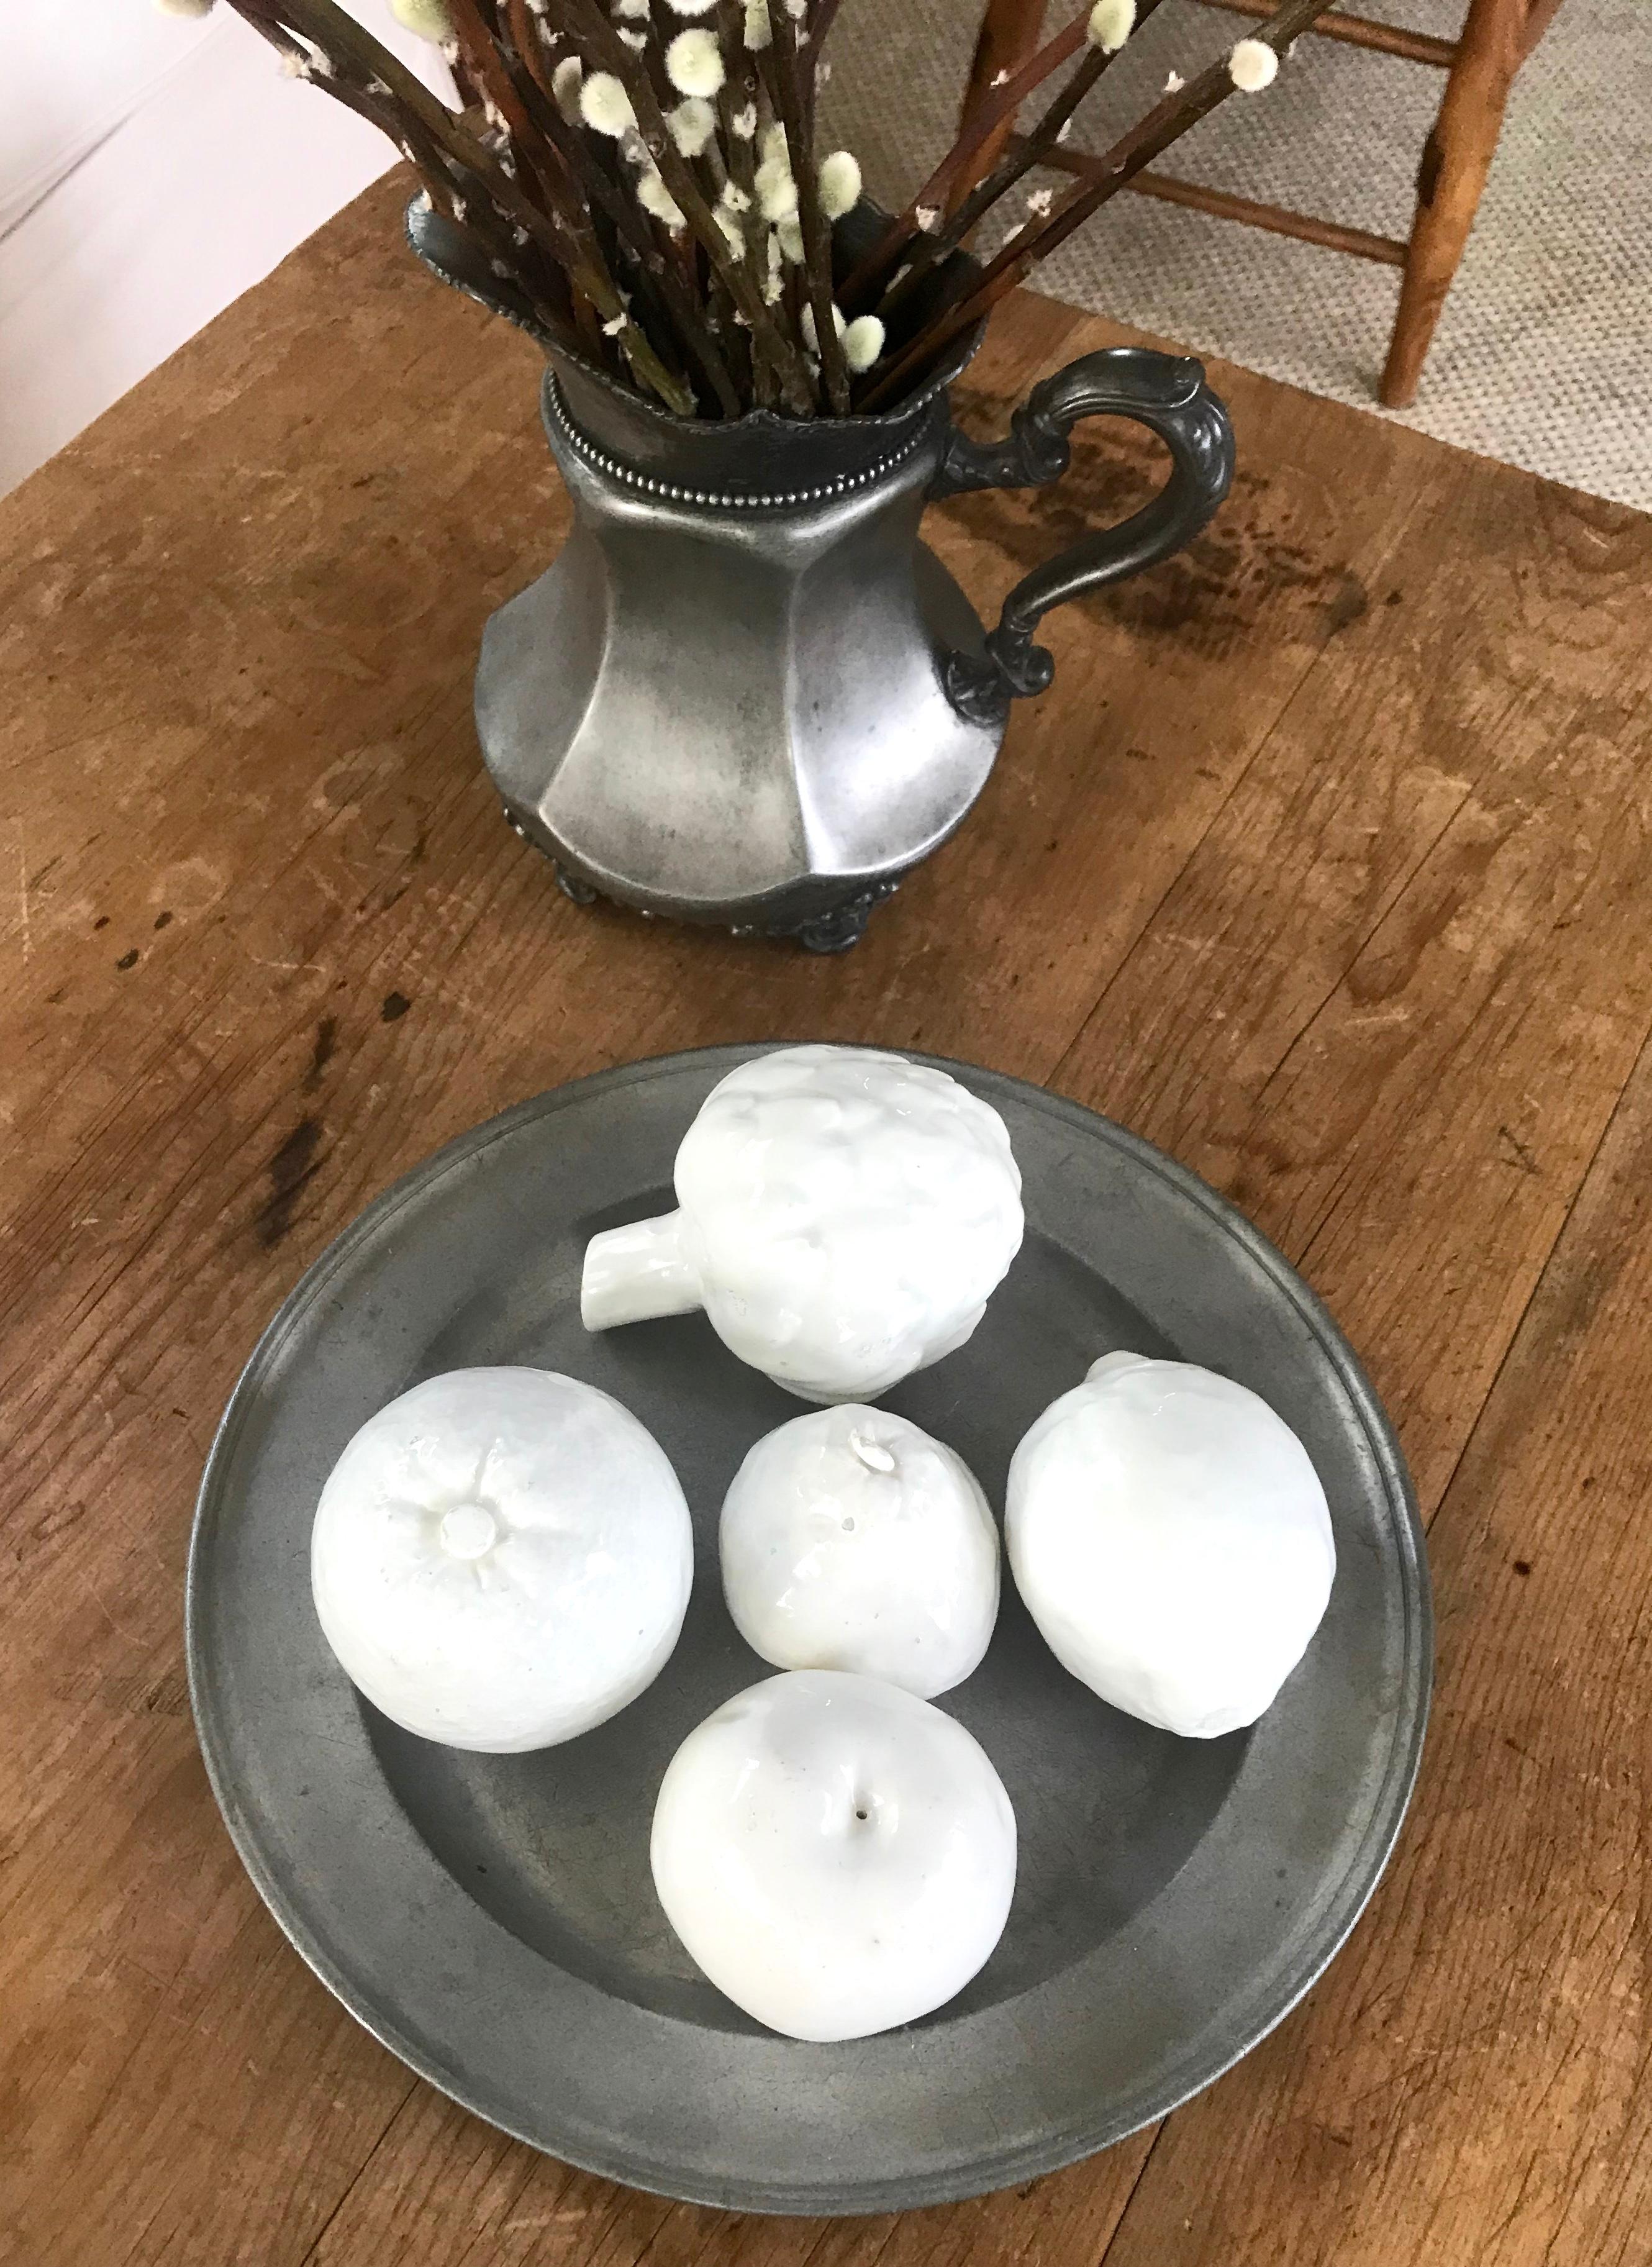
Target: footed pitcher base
838,928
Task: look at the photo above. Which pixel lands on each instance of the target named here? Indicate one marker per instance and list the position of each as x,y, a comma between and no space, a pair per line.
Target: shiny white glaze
852,1540
1171,1540
501,1559
845,1215
837,1855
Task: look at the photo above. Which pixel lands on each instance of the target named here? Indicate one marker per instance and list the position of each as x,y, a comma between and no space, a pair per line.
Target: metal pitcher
745,693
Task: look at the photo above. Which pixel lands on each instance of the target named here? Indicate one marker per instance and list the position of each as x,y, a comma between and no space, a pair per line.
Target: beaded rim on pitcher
670,492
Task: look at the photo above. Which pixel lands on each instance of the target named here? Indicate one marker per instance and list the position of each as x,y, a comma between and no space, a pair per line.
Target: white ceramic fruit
845,1216
852,1540
1171,1541
501,1559
837,1855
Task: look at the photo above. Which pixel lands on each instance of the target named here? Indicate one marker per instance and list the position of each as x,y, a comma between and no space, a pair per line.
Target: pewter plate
491,1919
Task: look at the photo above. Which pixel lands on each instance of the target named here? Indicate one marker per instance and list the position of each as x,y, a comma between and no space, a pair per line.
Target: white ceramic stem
636,1273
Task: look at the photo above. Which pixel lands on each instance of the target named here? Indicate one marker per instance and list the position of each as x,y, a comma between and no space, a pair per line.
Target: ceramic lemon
1171,1540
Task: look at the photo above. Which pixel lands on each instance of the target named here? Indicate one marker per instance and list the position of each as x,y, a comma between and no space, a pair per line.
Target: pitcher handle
1165,393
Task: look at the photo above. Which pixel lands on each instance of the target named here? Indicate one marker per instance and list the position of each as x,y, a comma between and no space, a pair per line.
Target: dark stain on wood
168,1696
163,920
128,959
1519,1153
1211,596
396,1004
1348,603
327,1033
288,1169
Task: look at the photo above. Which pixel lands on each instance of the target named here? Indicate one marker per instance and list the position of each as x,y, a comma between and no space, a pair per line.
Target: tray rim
984,2174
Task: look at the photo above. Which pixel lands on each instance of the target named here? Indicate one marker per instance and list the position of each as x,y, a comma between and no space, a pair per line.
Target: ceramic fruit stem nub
636,1272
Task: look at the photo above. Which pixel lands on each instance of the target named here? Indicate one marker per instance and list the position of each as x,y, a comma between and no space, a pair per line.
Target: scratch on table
126,1636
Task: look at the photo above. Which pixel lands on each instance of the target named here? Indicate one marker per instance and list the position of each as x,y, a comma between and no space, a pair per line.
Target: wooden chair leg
1456,159
1010,32
1539,15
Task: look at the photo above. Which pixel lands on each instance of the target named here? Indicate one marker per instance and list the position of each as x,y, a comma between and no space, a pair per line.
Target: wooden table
1326,865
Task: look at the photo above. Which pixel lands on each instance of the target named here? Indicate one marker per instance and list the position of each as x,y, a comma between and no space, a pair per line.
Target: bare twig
1042,137
822,18
1148,139
1000,104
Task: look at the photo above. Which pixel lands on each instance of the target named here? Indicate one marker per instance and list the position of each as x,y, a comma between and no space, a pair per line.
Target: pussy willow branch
674,322
621,209
481,50
999,102
653,256
593,32
482,63
821,16
444,183
781,57
543,281
329,30
1041,138
1148,139
738,97
712,173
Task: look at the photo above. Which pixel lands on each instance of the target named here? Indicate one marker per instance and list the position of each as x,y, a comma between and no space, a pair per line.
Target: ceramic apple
852,1540
837,1855
844,1217
501,1559
1171,1540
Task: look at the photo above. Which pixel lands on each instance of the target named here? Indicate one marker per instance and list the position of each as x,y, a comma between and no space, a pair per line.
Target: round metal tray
492,1918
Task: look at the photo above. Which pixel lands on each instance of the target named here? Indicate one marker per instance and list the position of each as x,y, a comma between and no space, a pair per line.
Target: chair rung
1358,243
1360,32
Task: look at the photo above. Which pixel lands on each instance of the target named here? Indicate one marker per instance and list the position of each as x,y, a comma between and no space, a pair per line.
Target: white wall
150,169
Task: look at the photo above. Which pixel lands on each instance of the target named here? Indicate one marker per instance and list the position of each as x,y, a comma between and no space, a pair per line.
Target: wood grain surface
1326,865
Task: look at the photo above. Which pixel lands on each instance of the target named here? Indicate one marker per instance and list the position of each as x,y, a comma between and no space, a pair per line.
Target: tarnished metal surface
492,1918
